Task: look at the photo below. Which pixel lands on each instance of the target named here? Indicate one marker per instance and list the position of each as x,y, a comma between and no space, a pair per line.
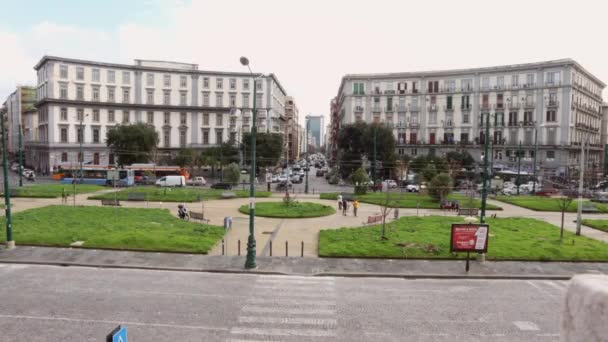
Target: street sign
118,335
268,177
469,238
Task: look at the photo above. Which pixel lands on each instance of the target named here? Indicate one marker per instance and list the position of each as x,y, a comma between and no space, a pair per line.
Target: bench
468,211
111,202
198,216
590,208
228,194
136,196
373,219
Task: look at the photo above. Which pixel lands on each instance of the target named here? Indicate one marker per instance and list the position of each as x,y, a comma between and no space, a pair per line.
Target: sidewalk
299,266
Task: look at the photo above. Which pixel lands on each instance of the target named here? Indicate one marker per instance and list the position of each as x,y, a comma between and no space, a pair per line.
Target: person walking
355,207
339,201
344,206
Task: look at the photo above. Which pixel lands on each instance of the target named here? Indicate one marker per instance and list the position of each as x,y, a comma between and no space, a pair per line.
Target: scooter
182,212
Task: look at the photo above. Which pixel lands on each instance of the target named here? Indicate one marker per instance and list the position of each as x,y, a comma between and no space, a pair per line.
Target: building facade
18,105
548,108
316,127
187,106
292,127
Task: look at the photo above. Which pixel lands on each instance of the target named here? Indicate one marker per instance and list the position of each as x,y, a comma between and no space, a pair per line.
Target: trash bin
227,222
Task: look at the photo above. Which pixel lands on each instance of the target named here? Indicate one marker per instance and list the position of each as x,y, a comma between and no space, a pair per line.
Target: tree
383,138
184,157
268,149
563,202
351,148
360,180
386,210
457,160
132,143
403,167
440,186
232,173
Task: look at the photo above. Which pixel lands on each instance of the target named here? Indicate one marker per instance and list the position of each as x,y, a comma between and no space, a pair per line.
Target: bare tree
563,203
385,211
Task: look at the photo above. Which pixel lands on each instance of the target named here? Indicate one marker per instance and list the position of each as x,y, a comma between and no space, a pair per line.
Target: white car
412,188
275,178
196,181
282,178
390,183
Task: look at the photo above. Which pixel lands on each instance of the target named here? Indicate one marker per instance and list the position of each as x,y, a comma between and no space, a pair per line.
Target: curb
322,274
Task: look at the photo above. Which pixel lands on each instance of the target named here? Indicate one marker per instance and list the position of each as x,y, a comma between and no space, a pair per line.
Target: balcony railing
514,105
552,103
484,106
433,108
553,83
377,109
448,108
499,106
466,107
401,108
448,124
529,104
389,92
414,125
358,109
528,85
414,108
466,89
389,109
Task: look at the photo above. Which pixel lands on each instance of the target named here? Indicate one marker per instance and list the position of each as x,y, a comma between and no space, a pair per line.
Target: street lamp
81,138
307,166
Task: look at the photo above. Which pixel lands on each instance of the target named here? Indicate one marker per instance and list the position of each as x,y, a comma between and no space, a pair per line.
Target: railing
528,85
466,107
466,89
448,124
389,92
552,103
377,109
401,108
514,105
432,108
484,106
448,108
388,109
499,106
553,83
414,108
529,105
358,109
414,125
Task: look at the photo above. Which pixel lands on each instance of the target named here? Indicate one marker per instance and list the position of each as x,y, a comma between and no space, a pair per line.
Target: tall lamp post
20,157
484,191
7,197
535,153
306,149
518,167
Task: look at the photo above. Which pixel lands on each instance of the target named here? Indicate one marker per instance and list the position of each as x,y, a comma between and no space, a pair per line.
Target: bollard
286,249
270,247
223,251
302,249
239,247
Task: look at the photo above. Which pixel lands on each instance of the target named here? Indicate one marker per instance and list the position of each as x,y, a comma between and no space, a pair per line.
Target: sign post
118,335
469,238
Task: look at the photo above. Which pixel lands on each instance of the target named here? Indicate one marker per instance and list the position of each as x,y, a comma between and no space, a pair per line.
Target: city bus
154,171
95,174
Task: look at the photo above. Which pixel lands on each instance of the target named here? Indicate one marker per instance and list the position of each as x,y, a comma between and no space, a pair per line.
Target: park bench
348,196
373,219
136,196
228,194
590,208
468,211
198,216
110,202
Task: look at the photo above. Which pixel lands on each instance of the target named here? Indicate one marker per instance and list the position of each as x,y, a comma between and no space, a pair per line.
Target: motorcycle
182,212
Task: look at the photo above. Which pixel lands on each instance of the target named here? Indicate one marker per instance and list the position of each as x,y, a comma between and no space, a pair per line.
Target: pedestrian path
288,308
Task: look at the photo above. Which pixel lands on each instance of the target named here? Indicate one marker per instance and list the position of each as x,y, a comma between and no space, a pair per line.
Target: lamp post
307,166
7,197
20,158
579,210
535,153
250,262
484,191
518,166
81,138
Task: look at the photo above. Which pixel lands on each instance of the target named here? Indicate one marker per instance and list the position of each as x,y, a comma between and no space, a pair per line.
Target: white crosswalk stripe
285,307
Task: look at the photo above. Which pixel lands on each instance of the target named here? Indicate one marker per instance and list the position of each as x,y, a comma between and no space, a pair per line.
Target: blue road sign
118,335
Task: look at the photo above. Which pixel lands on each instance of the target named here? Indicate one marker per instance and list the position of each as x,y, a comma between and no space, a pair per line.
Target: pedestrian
355,207
344,206
339,201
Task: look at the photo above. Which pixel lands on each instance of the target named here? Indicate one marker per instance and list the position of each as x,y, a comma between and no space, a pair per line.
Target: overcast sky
308,44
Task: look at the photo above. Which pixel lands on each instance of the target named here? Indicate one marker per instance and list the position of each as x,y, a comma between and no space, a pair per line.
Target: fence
270,249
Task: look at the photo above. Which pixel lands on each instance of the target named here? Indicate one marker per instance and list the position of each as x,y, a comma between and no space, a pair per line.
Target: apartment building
187,106
18,105
548,107
316,126
292,128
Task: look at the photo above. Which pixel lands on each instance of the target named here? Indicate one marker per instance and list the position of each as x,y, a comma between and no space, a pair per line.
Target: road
44,303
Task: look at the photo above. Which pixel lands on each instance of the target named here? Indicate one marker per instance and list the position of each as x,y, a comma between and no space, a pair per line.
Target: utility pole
307,165
81,138
7,198
20,158
491,172
375,155
579,212
484,190
518,166
535,153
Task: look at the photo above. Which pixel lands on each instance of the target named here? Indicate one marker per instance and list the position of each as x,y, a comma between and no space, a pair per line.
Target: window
166,81
206,99
167,137
500,82
550,155
182,97
182,118
451,85
550,116
485,83
183,81
111,116
232,84
219,100
553,78
95,93
182,138
206,82
80,92
150,117
125,95
449,102
512,138
464,137
80,114
150,79
433,118
95,115
205,137
219,83
95,75
499,101
245,101
64,135
125,116
529,80
485,101
205,119
64,156
465,102
232,100
96,137
515,80
111,76
166,97
467,84
150,96
466,118
402,87
528,137
111,97
246,84
79,136
111,159
80,73
258,84
414,152
433,87
552,99
126,77
528,117
513,119
63,71
64,114
358,88
551,137
219,119
258,100
166,118
96,158
218,137
63,91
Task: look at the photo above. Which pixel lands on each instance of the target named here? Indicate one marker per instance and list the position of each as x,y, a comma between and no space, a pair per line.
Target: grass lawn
104,227
597,224
294,210
176,194
410,199
540,203
429,237
53,190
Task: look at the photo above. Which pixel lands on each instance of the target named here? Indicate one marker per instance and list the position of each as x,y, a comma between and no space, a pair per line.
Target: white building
444,110
18,105
187,106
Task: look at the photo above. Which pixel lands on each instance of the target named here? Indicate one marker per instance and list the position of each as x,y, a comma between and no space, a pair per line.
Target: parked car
390,183
15,167
283,185
197,181
319,173
296,179
412,188
282,178
551,192
223,186
275,178
171,181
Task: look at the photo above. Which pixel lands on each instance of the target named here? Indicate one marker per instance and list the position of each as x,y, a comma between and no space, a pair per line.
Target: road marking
288,301
548,335
264,309
293,277
288,320
283,332
295,288
554,285
79,320
526,326
275,294
296,281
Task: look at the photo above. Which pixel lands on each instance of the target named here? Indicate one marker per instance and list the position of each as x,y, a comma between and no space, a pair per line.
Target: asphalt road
43,303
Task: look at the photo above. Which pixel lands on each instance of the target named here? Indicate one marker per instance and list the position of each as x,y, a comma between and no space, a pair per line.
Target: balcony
529,105
553,83
528,85
377,109
466,108
448,109
401,124
512,124
448,124
498,106
466,89
377,91
552,104
414,108
514,105
414,125
401,108
432,108
389,92
389,109
484,106
358,109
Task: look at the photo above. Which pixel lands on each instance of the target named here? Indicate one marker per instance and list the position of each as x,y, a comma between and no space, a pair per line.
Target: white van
171,181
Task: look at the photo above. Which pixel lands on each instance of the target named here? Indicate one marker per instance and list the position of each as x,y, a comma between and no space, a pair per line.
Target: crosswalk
288,309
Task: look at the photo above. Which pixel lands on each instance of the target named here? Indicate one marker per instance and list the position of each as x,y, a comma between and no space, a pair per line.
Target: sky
308,44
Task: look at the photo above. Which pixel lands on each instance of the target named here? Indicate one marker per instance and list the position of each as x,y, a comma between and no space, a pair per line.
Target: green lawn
294,210
597,224
158,194
410,200
105,227
53,190
540,203
429,237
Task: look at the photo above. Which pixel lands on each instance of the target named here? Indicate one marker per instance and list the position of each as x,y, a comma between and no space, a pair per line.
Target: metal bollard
302,249
239,247
286,249
270,247
223,247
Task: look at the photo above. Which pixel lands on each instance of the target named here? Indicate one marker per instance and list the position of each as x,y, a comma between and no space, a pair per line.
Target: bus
95,174
155,171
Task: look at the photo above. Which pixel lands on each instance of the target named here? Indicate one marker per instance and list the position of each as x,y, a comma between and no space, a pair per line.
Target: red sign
469,238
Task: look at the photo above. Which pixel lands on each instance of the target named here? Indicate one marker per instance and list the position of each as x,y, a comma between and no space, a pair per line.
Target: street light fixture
307,165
